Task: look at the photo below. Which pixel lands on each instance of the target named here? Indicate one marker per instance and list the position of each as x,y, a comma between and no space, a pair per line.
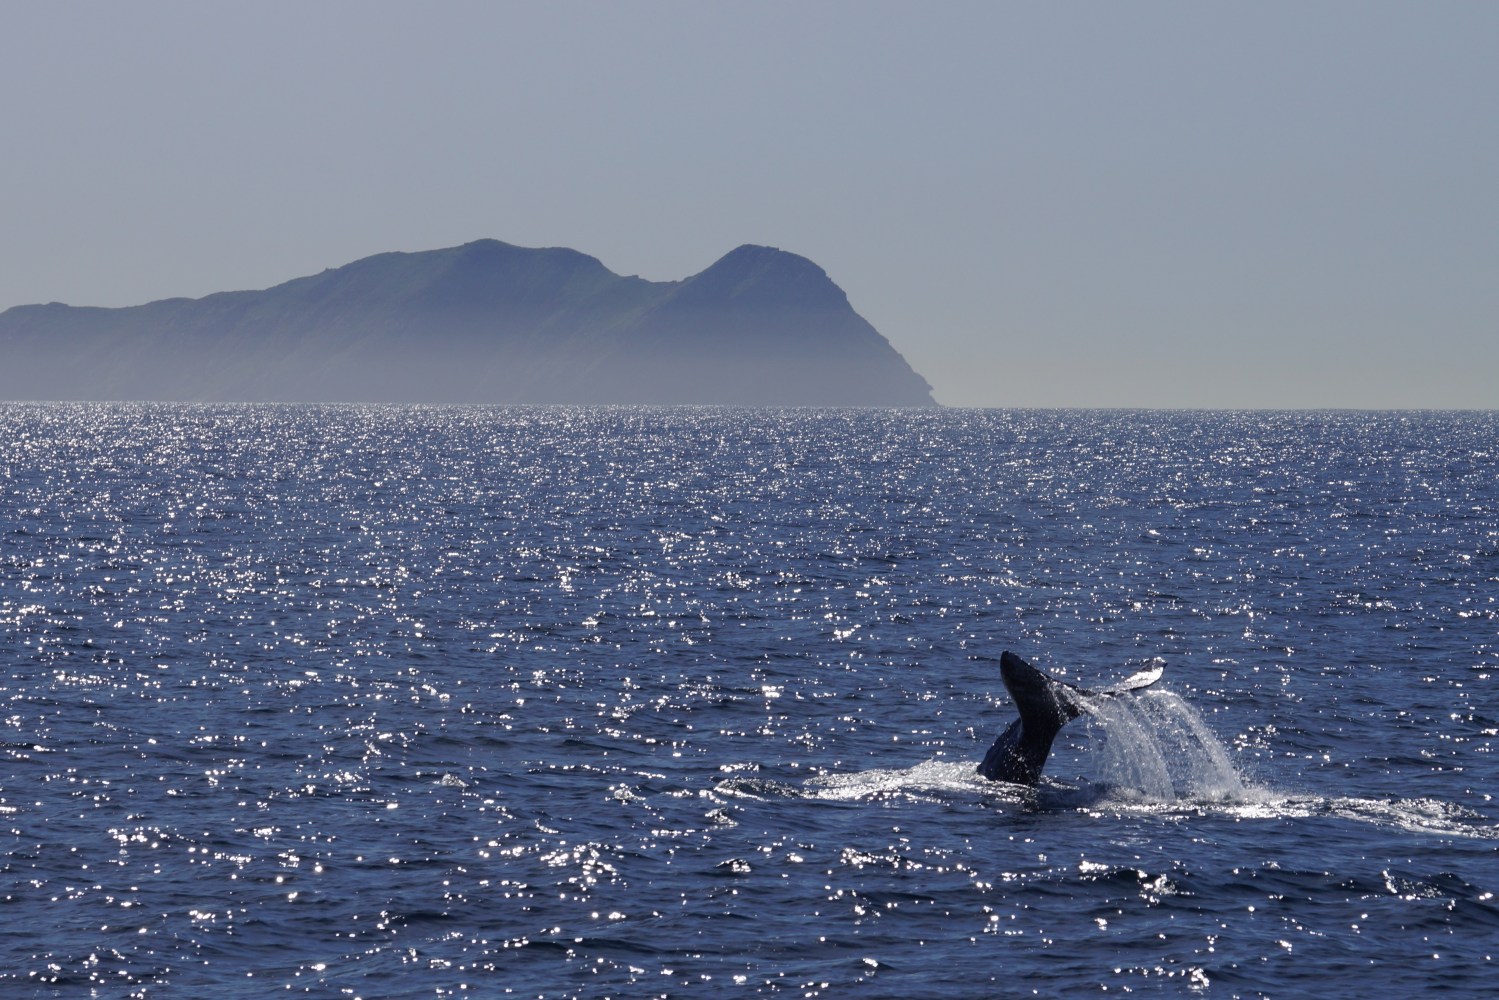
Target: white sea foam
1413,815
924,779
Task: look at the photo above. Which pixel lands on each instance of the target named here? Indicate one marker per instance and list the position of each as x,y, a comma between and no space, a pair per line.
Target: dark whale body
1045,705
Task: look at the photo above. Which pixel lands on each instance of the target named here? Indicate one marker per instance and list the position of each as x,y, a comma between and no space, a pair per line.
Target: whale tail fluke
1138,681
1045,705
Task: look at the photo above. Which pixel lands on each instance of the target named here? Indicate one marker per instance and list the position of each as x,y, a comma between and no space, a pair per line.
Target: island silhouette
485,322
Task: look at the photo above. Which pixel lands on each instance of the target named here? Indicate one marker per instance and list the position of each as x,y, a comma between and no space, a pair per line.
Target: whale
1045,704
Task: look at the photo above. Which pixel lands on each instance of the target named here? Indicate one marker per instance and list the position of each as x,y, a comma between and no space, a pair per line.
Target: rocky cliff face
486,322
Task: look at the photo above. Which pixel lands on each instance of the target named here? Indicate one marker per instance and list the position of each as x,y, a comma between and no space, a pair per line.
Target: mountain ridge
483,322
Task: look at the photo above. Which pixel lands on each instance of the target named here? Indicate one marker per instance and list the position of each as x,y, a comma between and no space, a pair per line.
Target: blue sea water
552,702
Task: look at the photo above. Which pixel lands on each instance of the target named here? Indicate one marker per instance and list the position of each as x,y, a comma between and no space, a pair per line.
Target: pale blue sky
1042,204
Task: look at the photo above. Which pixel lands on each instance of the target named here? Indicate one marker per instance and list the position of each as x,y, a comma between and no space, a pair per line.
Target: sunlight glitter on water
625,702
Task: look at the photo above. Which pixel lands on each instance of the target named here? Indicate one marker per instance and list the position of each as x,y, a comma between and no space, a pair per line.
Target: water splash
1158,747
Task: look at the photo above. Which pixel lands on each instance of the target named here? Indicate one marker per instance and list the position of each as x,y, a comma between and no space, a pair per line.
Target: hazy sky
1040,204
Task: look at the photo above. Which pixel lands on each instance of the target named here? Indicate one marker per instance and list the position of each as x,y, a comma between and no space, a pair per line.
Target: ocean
380,702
